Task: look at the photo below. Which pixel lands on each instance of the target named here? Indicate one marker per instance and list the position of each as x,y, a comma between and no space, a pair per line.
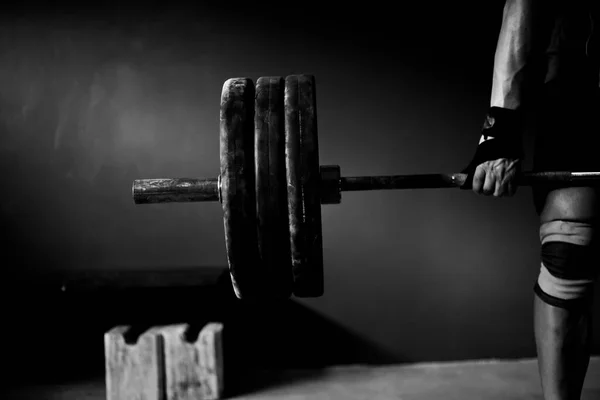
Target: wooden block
193,362
134,364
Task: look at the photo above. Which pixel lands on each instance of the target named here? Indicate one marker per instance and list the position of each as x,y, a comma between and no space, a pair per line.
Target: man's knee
569,262
569,246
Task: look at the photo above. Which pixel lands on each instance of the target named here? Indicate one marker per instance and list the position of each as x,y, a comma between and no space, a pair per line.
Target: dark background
91,99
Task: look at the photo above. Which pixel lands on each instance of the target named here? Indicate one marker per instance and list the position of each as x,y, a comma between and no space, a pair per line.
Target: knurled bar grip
438,181
182,190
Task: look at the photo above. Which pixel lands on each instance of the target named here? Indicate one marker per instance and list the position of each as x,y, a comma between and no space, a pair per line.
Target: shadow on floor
60,332
271,339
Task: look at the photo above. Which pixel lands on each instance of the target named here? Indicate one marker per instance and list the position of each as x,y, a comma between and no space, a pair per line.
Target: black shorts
567,123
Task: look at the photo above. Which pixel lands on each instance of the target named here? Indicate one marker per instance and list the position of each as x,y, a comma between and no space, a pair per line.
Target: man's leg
563,293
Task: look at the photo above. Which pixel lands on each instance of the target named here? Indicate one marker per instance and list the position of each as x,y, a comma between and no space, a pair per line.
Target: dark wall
92,99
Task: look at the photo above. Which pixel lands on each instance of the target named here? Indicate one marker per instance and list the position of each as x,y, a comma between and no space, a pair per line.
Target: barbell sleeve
175,190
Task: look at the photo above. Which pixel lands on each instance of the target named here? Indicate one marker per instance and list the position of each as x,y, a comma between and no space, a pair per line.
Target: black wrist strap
502,134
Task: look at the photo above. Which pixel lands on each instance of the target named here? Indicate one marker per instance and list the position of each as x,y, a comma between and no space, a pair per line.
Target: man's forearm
517,44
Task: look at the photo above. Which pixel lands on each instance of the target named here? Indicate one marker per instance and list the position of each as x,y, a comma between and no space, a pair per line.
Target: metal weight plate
237,185
271,189
303,181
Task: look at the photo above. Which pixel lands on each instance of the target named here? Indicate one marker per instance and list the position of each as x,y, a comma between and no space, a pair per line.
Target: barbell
271,186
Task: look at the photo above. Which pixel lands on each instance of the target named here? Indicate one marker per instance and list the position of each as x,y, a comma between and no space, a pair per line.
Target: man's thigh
570,204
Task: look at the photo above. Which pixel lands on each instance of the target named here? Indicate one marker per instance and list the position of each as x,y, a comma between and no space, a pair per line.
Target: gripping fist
494,169
496,178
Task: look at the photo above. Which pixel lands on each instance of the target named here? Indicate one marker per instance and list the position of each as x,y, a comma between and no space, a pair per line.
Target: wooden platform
489,380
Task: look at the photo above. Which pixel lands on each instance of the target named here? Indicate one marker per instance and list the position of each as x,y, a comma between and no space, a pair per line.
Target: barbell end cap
135,193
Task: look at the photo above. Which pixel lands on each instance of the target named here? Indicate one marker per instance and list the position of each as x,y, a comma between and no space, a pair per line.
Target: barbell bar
271,186
182,190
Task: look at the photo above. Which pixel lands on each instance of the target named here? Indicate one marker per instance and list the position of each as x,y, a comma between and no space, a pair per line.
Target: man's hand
497,161
497,178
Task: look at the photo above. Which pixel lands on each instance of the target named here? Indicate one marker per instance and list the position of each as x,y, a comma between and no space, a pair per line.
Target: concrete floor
479,380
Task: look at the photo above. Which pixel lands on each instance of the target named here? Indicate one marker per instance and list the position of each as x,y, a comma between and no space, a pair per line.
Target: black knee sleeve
570,274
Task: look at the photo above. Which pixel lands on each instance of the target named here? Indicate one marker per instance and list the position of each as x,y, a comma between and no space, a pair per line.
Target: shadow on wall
61,331
82,110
